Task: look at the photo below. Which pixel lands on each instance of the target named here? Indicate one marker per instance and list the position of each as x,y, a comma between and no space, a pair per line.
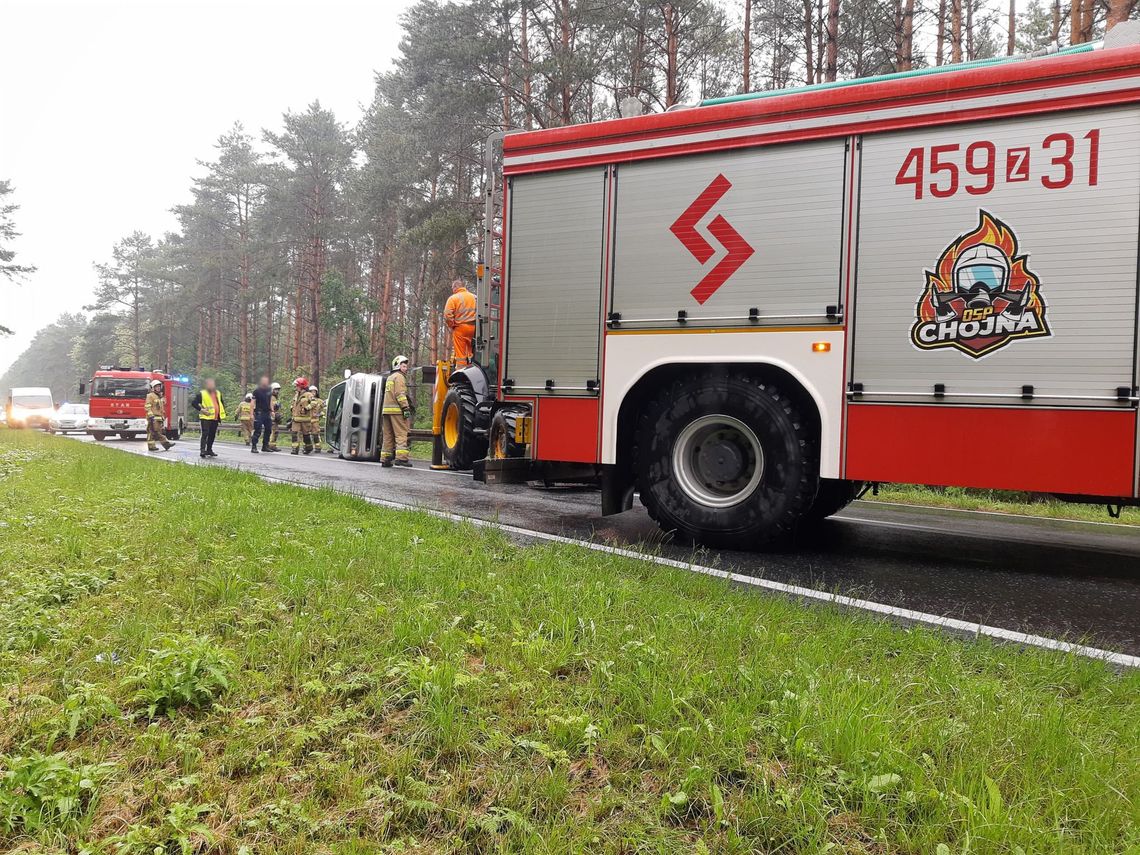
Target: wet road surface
1065,580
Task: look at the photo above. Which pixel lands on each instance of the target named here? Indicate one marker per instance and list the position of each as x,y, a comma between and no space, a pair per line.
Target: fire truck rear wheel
461,445
99,437
729,461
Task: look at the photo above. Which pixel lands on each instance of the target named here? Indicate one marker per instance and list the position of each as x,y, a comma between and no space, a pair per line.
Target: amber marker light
820,346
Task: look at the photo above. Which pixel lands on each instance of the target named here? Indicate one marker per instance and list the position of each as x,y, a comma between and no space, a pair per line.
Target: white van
30,406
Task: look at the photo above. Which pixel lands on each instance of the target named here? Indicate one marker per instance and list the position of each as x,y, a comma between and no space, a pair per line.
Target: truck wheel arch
617,482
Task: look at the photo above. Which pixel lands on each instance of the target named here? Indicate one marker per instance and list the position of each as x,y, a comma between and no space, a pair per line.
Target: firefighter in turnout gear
156,418
459,315
397,415
315,418
274,415
301,416
245,418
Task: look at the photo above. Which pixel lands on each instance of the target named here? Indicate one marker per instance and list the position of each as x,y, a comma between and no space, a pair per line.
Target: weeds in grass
46,792
181,671
365,681
181,831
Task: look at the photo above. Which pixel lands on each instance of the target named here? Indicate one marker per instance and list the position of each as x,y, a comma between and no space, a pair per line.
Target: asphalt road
1066,580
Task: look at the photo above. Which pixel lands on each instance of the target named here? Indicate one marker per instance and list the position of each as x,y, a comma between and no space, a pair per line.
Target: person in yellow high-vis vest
396,415
211,412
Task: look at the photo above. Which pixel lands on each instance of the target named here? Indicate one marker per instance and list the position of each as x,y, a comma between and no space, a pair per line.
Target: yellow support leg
442,375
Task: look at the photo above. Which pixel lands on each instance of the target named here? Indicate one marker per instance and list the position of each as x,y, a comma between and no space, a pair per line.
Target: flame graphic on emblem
990,231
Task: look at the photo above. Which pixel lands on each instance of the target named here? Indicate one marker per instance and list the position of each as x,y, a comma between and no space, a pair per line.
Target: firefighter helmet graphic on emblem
981,295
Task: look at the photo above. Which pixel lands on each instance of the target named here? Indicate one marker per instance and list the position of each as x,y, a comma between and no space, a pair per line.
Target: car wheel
728,461
99,437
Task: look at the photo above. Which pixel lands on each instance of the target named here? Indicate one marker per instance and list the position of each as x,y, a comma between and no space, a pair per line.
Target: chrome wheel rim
718,461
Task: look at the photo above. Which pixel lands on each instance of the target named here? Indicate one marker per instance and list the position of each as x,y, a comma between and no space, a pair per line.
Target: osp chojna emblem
981,295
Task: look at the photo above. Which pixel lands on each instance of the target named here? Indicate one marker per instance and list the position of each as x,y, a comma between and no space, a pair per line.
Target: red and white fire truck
744,310
117,402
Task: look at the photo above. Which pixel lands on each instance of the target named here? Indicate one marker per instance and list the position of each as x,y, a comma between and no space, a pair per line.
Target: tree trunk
1011,37
831,69
671,47
906,55
969,30
809,37
201,343
385,311
819,41
524,52
956,31
1118,12
1056,39
1088,13
243,320
566,95
940,39
746,60
1075,22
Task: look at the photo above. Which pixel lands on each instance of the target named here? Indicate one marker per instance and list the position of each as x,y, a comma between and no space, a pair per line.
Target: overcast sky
106,107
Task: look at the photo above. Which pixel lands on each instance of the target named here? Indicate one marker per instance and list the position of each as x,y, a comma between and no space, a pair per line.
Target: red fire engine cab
118,398
743,311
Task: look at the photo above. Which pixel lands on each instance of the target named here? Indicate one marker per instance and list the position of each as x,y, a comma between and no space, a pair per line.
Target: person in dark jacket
211,411
262,415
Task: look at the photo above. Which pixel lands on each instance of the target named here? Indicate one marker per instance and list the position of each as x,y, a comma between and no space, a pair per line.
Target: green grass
1001,501
192,660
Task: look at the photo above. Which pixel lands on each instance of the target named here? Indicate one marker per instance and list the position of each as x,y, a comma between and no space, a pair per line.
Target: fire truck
744,311
118,402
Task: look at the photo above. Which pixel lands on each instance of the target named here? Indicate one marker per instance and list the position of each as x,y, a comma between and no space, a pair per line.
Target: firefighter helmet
249,396
314,390
301,383
981,273
398,361
155,384
274,387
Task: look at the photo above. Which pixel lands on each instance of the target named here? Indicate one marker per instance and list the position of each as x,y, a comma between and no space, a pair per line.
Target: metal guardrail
415,434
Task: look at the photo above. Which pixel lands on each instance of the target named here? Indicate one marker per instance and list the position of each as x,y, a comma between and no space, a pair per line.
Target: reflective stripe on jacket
395,394
459,309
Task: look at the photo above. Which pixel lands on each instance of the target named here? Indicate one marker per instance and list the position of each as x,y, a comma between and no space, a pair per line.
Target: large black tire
726,460
99,436
502,445
832,497
461,445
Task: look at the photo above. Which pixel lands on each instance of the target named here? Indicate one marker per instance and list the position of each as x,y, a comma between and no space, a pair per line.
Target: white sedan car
69,418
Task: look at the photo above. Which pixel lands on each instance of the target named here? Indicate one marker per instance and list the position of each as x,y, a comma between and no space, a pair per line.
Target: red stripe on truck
1085,452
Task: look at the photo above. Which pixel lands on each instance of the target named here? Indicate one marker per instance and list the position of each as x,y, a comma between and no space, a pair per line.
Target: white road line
910,615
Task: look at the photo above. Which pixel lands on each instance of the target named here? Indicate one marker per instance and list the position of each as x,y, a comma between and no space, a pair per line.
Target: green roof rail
899,75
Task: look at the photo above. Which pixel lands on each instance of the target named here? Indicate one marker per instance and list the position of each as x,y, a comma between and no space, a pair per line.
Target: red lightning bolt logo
685,229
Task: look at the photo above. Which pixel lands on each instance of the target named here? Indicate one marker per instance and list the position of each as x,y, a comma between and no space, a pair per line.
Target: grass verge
1001,501
192,660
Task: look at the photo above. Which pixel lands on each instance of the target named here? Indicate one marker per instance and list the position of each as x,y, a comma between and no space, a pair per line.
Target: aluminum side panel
554,279
778,209
630,356
1078,241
